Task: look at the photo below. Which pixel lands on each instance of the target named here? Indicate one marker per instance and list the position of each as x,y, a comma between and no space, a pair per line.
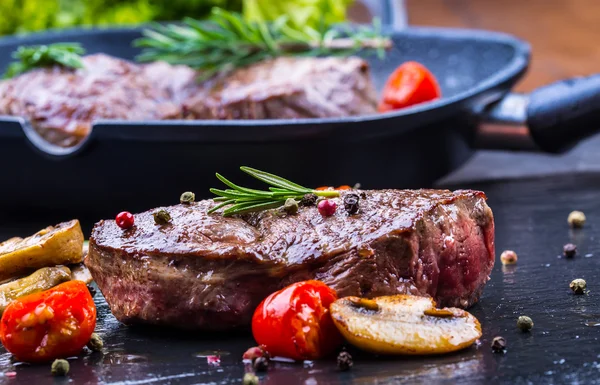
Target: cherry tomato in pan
56,323
411,83
295,322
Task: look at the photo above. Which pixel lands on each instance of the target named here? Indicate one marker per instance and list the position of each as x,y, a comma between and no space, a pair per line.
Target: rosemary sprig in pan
244,200
227,41
31,57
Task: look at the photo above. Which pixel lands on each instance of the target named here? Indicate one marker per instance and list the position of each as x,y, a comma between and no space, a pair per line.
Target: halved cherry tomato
55,323
295,322
411,83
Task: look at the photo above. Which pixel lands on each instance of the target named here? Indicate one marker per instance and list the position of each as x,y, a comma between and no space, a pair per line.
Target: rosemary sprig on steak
36,56
244,200
227,41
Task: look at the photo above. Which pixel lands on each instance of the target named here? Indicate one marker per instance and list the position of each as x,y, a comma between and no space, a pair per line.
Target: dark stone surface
531,218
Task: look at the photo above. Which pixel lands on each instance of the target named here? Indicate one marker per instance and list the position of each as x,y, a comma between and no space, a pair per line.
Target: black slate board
530,218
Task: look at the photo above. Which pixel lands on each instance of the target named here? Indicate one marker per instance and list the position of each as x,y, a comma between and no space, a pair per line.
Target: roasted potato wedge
55,245
404,324
43,279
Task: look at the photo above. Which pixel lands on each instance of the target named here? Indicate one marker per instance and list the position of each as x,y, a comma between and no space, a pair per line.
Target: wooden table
564,34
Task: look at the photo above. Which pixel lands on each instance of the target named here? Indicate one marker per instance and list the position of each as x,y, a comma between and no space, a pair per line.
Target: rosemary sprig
31,57
227,41
244,200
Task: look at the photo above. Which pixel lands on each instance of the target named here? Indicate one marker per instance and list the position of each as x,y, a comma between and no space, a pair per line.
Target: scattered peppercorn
95,343
161,217
344,361
92,290
578,286
576,219
524,323
308,200
60,367
508,257
326,207
255,352
187,197
250,379
499,344
351,203
124,220
290,206
260,364
570,250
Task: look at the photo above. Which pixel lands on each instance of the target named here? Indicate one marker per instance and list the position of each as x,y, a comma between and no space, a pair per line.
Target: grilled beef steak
62,103
204,271
288,88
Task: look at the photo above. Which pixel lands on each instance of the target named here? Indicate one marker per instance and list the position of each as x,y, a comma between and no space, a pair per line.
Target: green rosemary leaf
275,180
31,57
243,208
230,193
223,204
242,189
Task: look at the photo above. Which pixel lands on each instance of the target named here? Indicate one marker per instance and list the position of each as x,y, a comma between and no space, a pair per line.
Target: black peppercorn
344,361
260,364
351,203
499,344
308,200
92,290
161,217
570,250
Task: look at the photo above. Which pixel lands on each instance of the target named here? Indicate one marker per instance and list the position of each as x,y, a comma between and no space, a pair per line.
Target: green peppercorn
161,217
578,286
291,206
250,379
95,343
576,219
525,323
187,197
60,367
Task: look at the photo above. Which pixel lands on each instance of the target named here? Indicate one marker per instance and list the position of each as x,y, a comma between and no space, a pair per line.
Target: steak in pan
206,271
288,88
62,103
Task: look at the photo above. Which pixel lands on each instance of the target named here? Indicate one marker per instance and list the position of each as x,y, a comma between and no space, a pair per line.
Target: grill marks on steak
63,103
288,88
209,272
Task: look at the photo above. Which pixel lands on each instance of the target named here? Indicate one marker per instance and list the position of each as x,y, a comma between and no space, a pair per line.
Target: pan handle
552,119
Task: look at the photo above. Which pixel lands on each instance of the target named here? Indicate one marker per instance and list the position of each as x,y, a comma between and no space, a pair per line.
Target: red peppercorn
326,207
124,220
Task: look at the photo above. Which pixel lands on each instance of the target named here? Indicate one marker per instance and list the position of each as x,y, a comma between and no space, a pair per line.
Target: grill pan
127,165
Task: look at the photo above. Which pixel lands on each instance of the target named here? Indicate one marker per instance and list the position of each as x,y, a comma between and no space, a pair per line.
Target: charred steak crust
205,271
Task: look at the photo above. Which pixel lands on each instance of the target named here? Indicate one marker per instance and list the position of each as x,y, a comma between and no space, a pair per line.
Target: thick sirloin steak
204,271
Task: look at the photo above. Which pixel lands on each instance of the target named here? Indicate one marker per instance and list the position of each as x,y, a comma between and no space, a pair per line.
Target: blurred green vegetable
303,15
18,16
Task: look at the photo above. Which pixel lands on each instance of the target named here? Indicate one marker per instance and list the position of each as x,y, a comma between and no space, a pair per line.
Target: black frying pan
138,165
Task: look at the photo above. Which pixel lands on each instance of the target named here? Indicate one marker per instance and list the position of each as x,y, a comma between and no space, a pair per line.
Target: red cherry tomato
55,323
124,219
411,83
295,322
342,187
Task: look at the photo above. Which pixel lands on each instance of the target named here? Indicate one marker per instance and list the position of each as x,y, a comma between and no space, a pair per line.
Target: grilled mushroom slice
404,324
55,245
